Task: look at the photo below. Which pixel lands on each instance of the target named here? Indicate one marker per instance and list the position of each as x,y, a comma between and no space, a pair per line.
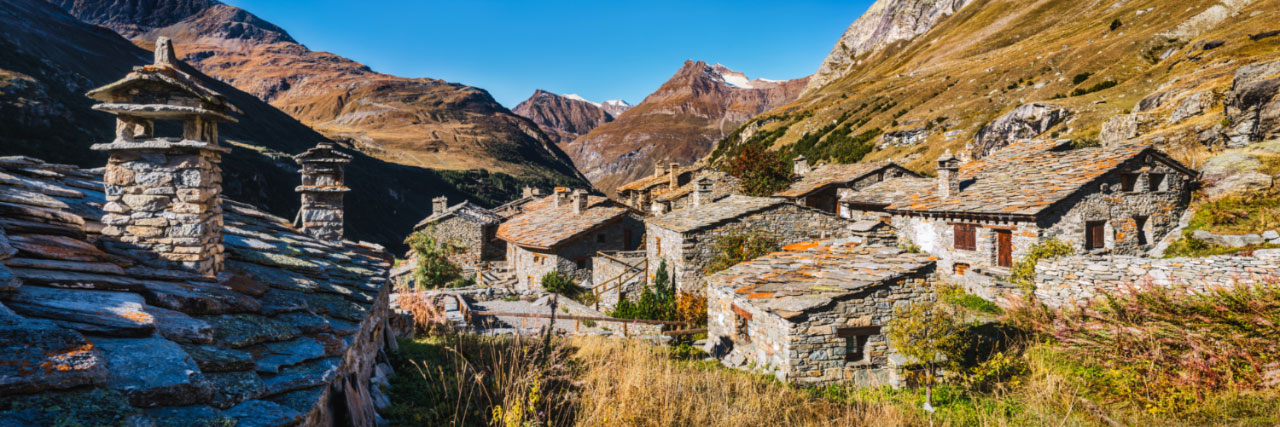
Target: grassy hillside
1097,58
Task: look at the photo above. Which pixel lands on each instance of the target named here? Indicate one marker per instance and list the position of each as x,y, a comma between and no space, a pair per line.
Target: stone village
246,315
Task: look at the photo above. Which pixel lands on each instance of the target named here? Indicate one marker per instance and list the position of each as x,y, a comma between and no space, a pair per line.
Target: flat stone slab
302,400
271,357
243,284
25,197
6,250
307,322
78,280
231,388
305,375
186,416
243,330
36,355
261,413
8,282
61,248
92,407
179,327
100,312
219,359
199,298
81,266
153,372
279,301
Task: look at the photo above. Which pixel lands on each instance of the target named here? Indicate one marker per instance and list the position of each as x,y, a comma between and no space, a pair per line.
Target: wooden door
1004,248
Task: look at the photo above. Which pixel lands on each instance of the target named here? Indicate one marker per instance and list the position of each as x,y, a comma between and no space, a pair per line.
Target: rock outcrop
1252,104
1026,121
563,118
680,122
885,22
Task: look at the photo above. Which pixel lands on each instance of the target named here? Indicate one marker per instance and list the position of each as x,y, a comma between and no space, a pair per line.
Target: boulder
100,312
153,372
37,355
1228,240
1025,122
1233,173
1252,105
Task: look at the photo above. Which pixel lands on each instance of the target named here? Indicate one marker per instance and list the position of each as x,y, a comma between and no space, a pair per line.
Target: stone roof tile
544,225
698,217
825,175
466,210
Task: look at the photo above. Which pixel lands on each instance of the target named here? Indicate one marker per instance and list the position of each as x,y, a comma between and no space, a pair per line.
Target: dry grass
633,384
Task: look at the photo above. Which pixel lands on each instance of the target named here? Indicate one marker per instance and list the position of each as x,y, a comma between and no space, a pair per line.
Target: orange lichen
800,246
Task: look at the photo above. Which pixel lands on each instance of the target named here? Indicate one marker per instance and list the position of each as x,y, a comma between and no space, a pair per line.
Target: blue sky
600,50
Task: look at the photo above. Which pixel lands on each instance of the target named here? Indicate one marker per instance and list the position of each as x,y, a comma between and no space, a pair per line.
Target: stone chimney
527,192
580,201
674,170
800,166
702,194
164,194
948,182
322,190
560,197
659,169
439,204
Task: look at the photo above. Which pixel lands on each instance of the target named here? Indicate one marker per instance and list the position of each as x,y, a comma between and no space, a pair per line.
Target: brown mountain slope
562,118
679,122
49,59
1156,69
413,121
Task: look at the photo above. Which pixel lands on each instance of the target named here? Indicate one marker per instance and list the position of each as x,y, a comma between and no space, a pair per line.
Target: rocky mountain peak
885,22
562,117
136,19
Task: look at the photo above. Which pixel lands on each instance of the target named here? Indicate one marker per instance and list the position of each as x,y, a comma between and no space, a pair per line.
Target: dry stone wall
1069,280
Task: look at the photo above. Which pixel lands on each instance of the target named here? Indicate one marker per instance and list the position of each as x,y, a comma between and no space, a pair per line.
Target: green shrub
762,171
656,303
1115,24
435,270
1023,272
739,246
1080,78
1095,88
560,283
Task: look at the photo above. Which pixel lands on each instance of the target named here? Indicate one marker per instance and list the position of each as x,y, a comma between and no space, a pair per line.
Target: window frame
1129,182
1156,182
860,337
1140,225
1093,241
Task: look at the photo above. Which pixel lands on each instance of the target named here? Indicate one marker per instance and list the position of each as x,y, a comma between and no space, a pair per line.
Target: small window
1128,181
966,237
600,238
582,262
855,341
538,259
657,245
1155,182
1095,235
741,322
1140,227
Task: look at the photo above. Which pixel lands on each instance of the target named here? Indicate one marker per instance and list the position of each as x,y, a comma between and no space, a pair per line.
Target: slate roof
698,217
722,184
466,210
88,329
1026,178
807,277
166,75
545,226
892,191
654,180
825,175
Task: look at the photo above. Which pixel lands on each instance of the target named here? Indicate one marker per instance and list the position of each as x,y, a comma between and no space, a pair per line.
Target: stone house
471,228
562,232
980,217
707,186
518,206
275,327
686,239
819,187
641,193
815,313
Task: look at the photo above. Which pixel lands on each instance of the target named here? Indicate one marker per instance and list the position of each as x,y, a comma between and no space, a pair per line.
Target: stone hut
163,193
708,186
980,217
641,193
94,330
322,189
686,239
467,226
815,313
819,187
563,231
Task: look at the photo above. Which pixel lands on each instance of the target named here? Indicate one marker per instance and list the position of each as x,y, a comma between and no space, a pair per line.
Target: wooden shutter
1095,236
965,237
1004,248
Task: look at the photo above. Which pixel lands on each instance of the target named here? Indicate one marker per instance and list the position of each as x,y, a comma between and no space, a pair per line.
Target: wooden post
625,333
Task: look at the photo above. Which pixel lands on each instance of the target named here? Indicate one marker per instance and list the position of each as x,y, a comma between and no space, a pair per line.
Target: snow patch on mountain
576,97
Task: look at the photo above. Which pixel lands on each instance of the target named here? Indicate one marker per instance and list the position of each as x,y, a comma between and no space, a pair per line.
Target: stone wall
1067,280
609,269
808,349
474,239
575,257
167,202
348,399
688,254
